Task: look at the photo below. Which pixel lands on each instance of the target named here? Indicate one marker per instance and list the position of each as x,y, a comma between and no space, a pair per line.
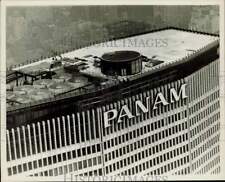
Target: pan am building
119,110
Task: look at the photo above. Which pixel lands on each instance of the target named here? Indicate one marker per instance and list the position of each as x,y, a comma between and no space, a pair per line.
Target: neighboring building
205,19
161,117
126,28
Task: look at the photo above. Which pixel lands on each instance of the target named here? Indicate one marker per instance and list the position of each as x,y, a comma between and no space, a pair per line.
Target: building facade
163,123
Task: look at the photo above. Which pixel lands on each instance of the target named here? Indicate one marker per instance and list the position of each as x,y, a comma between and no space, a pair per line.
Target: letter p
108,116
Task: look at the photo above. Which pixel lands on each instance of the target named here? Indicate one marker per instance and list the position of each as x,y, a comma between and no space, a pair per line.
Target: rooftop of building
77,70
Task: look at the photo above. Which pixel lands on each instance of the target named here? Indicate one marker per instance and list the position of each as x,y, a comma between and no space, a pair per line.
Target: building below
119,110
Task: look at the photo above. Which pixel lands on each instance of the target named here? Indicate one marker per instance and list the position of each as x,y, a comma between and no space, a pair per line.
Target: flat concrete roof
164,46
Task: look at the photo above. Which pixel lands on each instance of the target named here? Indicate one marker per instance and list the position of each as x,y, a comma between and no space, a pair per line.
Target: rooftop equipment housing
121,63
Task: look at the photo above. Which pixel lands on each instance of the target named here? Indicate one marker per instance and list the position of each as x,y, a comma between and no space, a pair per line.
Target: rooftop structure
91,65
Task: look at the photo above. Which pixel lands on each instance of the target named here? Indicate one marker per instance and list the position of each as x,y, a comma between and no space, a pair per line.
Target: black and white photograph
112,92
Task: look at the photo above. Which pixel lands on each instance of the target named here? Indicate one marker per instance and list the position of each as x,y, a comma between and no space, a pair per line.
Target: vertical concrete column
19,141
35,138
9,145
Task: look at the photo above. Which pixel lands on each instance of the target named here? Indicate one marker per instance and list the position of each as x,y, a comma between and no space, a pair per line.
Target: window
60,170
148,128
50,172
75,166
134,133
93,149
98,147
112,142
160,136
132,159
136,159
141,130
85,163
138,132
80,165
127,136
34,164
45,162
79,152
119,139
88,150
114,166
116,142
128,160
89,162
20,167
64,156
145,129
157,160
109,156
70,168
108,143
100,172
121,164
94,161
142,143
9,171
83,151
124,150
